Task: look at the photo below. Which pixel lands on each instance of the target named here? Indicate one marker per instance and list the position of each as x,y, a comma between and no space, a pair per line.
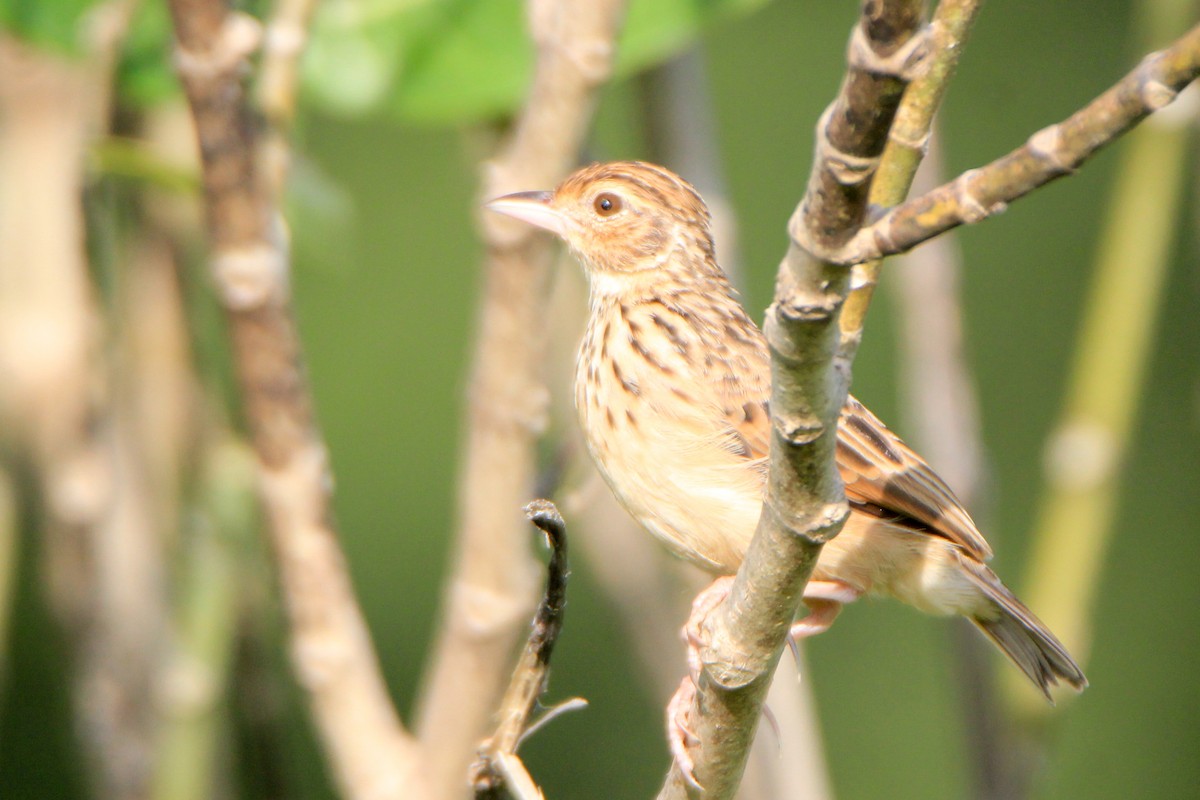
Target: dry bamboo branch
1049,154
497,755
491,589
370,753
805,505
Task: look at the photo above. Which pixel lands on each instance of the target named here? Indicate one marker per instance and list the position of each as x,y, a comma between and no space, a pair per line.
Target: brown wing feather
878,469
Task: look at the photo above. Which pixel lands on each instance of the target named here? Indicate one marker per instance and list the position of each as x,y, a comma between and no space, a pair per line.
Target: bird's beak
531,207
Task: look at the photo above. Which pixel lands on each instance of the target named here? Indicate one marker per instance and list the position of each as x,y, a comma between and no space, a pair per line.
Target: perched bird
672,384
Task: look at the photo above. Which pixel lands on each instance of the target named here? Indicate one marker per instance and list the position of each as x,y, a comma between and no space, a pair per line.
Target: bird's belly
694,495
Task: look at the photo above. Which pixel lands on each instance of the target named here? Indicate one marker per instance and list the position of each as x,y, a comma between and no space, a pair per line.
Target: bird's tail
1022,636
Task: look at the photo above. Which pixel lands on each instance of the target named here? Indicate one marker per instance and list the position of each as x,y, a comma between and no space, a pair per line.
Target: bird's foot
680,738
824,600
693,630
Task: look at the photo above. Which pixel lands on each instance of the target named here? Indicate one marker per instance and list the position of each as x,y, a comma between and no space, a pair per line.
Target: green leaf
145,76
57,25
440,61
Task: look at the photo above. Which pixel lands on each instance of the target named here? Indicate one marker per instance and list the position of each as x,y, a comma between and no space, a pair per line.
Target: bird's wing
883,476
880,470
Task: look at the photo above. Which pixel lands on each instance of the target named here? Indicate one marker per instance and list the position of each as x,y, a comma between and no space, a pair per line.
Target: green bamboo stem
1088,446
206,625
8,562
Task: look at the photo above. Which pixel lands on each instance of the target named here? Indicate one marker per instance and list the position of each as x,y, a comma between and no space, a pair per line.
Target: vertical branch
492,586
370,753
1090,441
681,132
805,505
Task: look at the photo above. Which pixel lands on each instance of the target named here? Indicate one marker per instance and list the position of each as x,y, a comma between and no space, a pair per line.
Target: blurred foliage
386,265
459,60
53,25
430,61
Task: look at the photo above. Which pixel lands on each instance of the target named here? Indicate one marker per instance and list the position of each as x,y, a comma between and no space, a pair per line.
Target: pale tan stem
492,584
284,40
941,409
101,546
370,754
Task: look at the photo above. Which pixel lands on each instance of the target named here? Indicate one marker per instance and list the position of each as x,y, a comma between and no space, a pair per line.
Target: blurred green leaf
145,76
441,61
49,24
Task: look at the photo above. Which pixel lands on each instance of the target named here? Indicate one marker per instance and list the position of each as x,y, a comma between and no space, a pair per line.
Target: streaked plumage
672,385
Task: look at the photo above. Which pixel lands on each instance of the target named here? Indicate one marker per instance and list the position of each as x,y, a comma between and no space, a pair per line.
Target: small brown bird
672,384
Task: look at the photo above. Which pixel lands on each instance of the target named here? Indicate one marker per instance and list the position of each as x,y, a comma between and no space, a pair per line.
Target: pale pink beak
531,207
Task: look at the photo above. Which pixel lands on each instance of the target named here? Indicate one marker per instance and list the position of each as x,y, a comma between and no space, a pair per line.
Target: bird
672,386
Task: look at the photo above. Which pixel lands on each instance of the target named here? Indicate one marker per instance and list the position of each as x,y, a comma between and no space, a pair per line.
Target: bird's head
621,217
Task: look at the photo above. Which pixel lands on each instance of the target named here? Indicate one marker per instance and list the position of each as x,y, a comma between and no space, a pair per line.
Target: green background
385,299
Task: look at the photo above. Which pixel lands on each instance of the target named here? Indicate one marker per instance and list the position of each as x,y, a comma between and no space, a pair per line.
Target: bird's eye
606,204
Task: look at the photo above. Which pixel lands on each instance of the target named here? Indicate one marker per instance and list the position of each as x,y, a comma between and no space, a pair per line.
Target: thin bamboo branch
1049,154
491,588
805,505
370,753
1089,443
909,138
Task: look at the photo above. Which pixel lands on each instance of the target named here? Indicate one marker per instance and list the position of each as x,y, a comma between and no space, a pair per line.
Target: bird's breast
650,405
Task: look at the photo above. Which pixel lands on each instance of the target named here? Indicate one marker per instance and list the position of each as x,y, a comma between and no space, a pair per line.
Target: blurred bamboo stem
941,409
491,589
197,673
370,753
9,555
680,127
1089,444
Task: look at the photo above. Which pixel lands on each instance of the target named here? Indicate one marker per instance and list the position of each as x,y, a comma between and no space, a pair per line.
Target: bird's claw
679,736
